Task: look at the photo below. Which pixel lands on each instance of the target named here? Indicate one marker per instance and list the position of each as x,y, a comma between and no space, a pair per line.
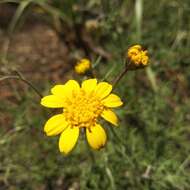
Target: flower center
83,109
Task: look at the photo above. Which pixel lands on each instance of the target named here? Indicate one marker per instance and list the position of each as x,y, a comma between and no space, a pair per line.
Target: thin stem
184,163
123,144
11,28
117,137
119,77
22,79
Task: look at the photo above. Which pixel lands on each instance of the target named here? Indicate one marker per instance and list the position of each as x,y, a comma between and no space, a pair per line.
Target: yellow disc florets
82,66
83,109
138,56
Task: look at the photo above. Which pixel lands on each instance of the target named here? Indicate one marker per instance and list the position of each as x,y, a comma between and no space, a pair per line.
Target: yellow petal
68,139
55,125
52,101
112,101
96,137
103,89
71,87
89,85
59,90
110,116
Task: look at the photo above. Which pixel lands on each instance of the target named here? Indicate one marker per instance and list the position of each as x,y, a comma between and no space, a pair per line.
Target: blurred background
41,41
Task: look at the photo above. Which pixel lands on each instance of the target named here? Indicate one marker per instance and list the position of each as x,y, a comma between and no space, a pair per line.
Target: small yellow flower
137,56
82,107
82,66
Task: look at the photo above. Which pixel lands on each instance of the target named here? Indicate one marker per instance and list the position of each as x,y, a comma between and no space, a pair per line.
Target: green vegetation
150,150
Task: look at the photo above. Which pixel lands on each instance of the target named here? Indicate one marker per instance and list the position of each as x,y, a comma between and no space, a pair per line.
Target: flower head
82,66
82,108
137,56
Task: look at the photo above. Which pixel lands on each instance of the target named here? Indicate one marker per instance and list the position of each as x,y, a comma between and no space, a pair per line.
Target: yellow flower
137,56
82,107
82,66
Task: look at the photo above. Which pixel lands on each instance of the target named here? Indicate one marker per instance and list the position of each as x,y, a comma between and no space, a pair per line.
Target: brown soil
35,50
